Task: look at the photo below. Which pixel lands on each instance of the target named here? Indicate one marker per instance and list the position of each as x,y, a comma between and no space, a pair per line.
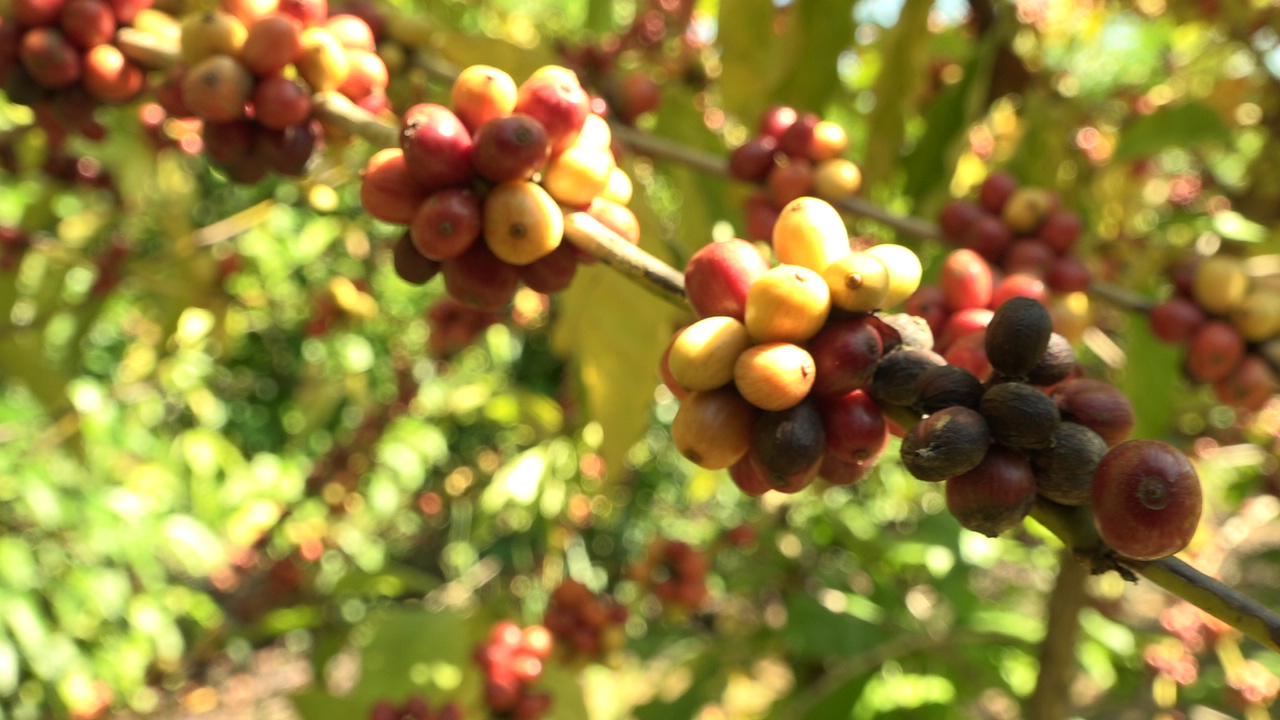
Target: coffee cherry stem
1073,525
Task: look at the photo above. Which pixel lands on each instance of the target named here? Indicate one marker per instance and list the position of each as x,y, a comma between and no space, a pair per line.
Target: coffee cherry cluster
999,444
676,572
792,155
60,57
250,71
959,308
467,174
512,661
414,708
454,326
1230,326
586,625
1022,230
771,378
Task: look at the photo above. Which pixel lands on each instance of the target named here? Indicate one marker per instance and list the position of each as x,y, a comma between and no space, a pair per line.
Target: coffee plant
595,360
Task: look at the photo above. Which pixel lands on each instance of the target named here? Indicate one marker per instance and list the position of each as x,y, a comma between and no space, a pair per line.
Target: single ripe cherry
1146,499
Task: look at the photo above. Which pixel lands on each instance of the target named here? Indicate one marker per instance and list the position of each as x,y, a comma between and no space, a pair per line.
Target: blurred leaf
1149,380
517,481
615,331
520,62
814,631
562,683
9,672
897,89
1191,123
819,32
946,119
748,57
707,684
837,704
1234,226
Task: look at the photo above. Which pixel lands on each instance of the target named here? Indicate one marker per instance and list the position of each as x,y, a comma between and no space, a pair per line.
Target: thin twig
591,236
1074,526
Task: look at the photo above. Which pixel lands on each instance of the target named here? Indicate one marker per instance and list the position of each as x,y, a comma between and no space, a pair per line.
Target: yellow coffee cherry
904,271
810,233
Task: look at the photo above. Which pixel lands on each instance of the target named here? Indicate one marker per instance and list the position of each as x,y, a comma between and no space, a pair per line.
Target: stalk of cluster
793,155
414,708
512,661
771,378
250,69
502,164
59,57
586,625
1230,325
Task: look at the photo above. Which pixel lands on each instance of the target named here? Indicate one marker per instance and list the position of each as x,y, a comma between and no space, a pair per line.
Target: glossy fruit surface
774,376
719,275
904,271
788,304
521,222
703,355
1146,499
810,233
859,282
712,429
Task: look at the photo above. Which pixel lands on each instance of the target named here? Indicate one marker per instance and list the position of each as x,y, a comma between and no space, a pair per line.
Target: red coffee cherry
1146,499
966,280
718,276
437,146
995,191
1216,349
994,496
1099,406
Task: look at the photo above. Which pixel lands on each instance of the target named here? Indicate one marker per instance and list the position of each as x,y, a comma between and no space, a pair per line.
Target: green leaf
814,631
820,30
1234,226
946,121
897,89
616,331
1151,380
1191,123
748,56
707,684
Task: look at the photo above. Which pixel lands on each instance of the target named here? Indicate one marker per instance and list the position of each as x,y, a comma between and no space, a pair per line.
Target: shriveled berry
1064,471
894,381
948,443
1020,415
789,445
1056,365
947,386
1017,336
